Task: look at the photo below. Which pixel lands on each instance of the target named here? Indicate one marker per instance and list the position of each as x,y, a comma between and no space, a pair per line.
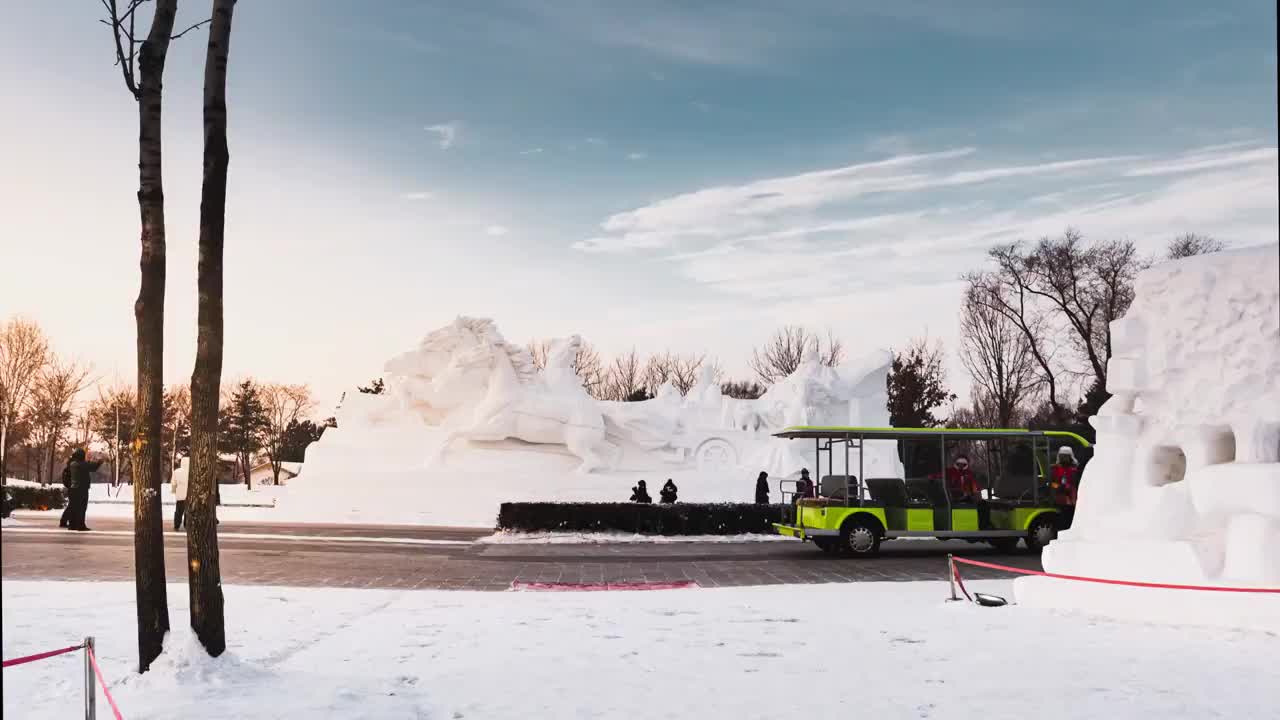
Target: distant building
261,473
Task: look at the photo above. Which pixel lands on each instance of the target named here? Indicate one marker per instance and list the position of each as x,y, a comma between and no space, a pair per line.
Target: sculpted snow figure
466,380
1184,487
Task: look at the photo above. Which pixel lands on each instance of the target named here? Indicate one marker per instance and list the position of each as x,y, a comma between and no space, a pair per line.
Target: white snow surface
896,649
1184,487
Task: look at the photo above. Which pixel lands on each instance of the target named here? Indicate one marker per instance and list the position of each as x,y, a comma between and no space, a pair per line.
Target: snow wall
469,421
1184,486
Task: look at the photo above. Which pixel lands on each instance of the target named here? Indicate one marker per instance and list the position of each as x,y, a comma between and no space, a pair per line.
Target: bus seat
889,492
832,486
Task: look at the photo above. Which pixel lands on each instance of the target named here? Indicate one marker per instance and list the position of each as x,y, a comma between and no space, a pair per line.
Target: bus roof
891,433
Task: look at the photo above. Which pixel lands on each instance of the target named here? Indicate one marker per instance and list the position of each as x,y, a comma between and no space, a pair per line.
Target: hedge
659,519
33,498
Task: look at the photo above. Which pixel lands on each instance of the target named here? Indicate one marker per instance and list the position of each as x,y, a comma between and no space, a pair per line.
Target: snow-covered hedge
677,519
33,498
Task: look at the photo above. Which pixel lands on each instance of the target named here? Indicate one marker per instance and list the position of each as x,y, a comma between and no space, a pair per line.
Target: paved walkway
356,556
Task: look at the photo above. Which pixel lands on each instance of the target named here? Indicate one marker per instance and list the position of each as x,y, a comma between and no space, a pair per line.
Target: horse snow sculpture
468,379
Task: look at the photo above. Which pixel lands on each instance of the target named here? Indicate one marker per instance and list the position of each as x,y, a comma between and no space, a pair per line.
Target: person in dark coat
762,489
81,471
669,492
805,487
65,520
640,493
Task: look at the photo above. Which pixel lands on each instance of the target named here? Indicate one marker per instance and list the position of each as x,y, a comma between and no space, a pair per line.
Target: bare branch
193,27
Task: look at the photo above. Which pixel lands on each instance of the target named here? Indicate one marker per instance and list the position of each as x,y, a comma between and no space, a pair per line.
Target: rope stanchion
41,656
1106,581
960,581
93,659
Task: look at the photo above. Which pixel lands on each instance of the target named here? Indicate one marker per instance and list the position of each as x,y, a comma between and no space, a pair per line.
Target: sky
664,175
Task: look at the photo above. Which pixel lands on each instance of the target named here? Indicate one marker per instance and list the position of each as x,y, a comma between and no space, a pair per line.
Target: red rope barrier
110,700
956,571
1132,583
41,656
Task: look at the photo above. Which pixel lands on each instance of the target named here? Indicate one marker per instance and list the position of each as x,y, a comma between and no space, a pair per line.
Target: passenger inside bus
962,486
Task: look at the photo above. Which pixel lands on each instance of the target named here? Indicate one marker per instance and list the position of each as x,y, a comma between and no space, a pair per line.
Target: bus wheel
1043,531
859,538
1004,544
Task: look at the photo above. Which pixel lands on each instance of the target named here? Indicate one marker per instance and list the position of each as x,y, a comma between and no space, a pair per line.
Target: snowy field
881,650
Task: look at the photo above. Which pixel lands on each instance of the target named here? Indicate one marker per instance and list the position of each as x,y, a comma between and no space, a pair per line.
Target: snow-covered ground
882,650
607,538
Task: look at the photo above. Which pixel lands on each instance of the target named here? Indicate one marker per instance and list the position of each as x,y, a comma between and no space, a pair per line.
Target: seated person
962,486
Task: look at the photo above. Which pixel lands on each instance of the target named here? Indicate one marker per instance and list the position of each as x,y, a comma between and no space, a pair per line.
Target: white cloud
817,233
448,133
1207,159
496,230
637,156
532,151
418,195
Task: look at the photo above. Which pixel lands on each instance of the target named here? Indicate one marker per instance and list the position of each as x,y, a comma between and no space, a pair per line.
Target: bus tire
860,537
1042,531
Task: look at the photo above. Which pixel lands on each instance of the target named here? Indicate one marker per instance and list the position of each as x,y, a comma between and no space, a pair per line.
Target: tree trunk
148,527
204,577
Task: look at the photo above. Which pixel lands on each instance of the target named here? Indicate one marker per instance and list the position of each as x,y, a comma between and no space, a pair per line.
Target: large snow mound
1185,483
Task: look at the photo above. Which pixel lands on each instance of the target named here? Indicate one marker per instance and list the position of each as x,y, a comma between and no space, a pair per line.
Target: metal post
847,499
89,685
951,575
862,479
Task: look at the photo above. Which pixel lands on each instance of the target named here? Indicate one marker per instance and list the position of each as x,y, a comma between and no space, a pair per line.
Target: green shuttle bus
851,513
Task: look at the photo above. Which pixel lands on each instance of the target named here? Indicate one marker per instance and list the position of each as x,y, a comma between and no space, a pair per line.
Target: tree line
43,416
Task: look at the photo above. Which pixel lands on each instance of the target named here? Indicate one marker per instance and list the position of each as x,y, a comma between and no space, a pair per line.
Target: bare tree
586,363
681,370
657,371
997,355
787,348
538,351
686,369
284,404
590,369
1189,244
24,351
142,64
51,408
113,416
204,575
178,419
1007,291
624,378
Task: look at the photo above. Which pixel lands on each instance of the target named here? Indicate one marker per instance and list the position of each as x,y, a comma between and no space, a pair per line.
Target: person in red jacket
962,486
1065,477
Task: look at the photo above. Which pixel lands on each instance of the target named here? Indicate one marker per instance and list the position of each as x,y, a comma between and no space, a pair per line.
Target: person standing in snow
669,492
65,520
178,483
762,489
640,493
81,471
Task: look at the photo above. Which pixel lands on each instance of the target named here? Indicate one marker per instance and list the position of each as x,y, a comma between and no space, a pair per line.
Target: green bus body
822,520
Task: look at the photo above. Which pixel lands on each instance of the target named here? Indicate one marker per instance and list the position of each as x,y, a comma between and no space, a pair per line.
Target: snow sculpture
469,412
1184,487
